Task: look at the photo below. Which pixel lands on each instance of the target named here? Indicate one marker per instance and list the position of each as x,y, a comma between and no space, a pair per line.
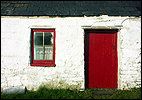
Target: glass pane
48,38
48,53
38,53
38,46
38,38
43,47
48,43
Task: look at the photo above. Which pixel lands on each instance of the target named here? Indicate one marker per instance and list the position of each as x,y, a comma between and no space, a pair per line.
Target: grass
44,93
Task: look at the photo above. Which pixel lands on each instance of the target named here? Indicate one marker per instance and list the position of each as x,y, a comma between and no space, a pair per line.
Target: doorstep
102,92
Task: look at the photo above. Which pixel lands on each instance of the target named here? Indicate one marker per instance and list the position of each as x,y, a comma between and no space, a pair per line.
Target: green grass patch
44,93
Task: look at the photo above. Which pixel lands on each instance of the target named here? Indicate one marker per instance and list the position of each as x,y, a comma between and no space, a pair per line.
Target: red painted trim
43,62
48,64
43,30
32,46
101,31
116,60
54,47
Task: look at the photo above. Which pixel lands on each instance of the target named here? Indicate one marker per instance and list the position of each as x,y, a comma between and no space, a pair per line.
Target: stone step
102,92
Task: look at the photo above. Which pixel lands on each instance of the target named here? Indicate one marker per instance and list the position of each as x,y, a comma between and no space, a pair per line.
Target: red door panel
102,59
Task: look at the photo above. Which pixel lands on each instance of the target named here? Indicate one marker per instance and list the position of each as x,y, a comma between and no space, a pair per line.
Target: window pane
38,53
48,53
38,46
48,38
48,43
38,38
43,46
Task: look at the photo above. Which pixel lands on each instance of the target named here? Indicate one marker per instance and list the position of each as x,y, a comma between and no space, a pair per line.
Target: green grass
44,93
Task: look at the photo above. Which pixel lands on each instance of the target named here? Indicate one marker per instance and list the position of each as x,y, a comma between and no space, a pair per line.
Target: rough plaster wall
16,69
69,57
130,48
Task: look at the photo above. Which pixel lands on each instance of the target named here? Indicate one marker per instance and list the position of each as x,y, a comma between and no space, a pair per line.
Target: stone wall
69,53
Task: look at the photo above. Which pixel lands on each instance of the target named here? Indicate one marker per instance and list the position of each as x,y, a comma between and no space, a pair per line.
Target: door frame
86,54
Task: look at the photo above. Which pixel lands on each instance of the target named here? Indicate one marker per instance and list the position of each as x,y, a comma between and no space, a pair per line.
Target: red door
102,59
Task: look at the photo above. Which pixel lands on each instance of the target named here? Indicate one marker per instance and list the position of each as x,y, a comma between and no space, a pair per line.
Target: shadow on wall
86,58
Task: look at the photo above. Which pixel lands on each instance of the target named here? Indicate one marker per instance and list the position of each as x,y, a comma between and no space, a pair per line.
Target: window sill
45,65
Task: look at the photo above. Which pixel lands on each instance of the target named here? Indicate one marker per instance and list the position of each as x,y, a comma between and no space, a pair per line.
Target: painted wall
69,53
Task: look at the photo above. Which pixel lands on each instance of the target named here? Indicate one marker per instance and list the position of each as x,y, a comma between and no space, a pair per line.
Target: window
43,47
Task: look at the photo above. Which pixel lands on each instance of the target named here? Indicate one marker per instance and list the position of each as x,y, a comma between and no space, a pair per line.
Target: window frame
42,62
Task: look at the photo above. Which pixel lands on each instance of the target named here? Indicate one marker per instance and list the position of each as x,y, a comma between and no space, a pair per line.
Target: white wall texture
69,53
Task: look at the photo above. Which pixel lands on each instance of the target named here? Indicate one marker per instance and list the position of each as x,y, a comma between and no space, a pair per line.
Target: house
71,44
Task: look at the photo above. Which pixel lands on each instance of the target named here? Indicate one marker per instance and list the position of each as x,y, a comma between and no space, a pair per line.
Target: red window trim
43,62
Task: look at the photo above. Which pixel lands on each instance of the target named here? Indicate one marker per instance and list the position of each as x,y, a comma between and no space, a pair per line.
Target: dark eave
70,8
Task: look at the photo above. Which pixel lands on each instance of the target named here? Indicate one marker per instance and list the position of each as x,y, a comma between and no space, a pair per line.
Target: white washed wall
130,54
69,53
